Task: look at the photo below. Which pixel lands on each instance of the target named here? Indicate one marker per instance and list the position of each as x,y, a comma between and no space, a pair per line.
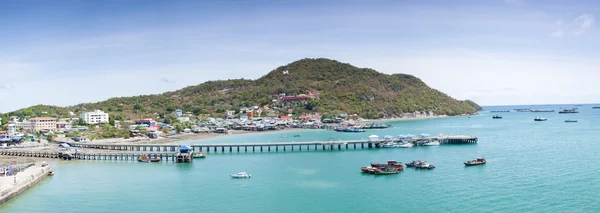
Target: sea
547,166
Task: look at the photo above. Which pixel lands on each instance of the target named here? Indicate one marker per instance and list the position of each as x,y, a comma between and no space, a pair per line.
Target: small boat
539,119
478,161
425,166
497,117
51,173
570,121
386,171
367,169
241,175
144,159
415,163
199,155
431,143
390,164
155,159
596,107
405,144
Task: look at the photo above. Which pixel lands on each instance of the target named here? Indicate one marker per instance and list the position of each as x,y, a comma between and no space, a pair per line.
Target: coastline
24,181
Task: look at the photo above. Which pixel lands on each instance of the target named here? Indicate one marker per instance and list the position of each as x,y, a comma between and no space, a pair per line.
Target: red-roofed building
3,134
43,123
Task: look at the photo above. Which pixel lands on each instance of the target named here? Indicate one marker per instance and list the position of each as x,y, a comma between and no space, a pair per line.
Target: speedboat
540,119
241,175
431,143
199,155
478,161
425,165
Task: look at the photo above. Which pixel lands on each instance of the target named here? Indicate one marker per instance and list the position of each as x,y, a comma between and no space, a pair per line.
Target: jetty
170,152
11,186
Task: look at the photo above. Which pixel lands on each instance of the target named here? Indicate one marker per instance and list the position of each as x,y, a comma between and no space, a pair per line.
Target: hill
310,85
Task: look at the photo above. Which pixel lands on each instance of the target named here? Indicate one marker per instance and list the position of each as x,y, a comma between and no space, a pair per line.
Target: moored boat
497,117
565,111
475,162
241,175
390,164
155,159
540,119
50,173
415,163
570,121
199,155
386,171
144,159
431,143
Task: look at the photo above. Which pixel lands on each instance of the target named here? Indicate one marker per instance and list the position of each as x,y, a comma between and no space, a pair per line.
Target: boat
523,110
385,171
497,117
390,164
425,166
405,144
144,159
199,155
570,121
50,173
297,135
155,159
241,175
539,119
367,169
565,111
415,163
595,107
542,110
349,129
431,143
376,126
500,111
475,162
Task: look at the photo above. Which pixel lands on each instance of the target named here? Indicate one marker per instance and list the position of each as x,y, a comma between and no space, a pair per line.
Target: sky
496,52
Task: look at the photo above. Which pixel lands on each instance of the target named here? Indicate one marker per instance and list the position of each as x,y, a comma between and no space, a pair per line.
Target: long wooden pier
169,151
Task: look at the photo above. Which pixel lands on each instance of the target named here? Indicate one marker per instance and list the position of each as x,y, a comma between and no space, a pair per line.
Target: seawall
25,180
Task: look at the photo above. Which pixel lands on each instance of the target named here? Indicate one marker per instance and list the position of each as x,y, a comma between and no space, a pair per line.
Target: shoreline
24,181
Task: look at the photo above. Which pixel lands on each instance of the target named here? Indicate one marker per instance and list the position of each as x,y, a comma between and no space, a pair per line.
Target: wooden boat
386,171
390,164
367,169
144,159
476,162
155,159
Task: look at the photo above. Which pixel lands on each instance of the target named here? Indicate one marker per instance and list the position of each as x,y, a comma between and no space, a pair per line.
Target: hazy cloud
583,23
6,86
167,81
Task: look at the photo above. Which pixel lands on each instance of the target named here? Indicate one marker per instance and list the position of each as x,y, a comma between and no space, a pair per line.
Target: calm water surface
532,167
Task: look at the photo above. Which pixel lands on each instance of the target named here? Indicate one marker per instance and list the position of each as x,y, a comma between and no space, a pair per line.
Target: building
43,123
230,113
183,119
95,117
62,125
147,121
178,112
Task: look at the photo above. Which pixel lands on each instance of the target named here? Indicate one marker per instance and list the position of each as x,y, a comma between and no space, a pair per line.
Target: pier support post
370,145
362,145
276,148
339,146
215,149
269,148
253,148
223,149
245,148
231,148
261,147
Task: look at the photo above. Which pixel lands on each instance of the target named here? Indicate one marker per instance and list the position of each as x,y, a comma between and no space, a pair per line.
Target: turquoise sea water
532,166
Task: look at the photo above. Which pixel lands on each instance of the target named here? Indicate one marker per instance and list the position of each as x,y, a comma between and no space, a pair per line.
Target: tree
196,111
80,122
165,130
179,127
111,121
50,137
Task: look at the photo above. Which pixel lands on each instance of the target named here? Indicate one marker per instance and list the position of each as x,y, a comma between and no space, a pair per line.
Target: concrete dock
24,180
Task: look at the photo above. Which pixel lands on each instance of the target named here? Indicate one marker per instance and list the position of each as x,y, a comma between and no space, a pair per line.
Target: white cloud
558,33
166,80
583,23
6,86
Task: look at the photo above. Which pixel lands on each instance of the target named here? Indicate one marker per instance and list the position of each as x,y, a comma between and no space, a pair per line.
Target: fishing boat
570,121
367,169
390,164
386,171
199,155
425,166
155,159
431,143
539,119
144,159
475,162
565,111
241,175
497,117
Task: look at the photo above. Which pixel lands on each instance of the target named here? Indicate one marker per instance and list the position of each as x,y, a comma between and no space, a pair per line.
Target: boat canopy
424,135
388,137
184,149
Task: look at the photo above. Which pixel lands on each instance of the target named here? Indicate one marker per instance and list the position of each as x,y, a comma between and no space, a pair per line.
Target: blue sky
496,52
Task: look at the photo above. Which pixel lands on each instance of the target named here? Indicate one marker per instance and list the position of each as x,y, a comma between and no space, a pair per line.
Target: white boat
406,144
397,145
241,175
431,143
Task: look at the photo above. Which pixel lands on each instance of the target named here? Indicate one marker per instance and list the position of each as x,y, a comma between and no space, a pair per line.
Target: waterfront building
95,117
42,123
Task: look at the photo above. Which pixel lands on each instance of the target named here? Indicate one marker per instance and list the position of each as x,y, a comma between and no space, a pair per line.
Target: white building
95,117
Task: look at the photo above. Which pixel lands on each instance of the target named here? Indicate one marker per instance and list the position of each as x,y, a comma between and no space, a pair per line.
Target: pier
169,152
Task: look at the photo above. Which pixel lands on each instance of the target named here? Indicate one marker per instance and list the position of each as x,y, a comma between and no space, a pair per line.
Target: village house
183,119
230,113
62,125
95,117
178,112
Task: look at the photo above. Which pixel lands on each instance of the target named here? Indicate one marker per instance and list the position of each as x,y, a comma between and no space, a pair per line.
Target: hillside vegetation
341,88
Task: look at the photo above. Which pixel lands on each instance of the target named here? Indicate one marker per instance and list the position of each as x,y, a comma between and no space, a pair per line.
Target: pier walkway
169,151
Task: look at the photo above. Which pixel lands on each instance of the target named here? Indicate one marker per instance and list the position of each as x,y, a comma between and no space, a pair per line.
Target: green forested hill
342,88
